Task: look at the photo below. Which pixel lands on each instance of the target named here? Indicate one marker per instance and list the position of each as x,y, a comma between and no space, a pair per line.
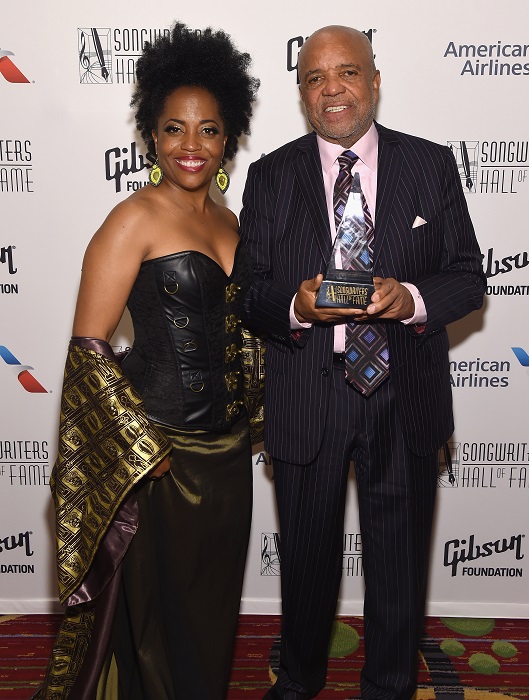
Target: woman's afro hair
187,57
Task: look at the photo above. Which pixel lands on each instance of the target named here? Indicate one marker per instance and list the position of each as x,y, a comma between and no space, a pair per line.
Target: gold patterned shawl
252,357
106,445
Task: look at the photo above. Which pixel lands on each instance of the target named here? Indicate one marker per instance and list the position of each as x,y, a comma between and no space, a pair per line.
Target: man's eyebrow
356,66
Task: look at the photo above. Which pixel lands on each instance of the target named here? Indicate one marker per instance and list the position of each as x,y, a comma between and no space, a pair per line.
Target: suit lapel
307,167
388,174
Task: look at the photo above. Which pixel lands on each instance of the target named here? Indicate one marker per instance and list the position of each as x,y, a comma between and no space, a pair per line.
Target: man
427,267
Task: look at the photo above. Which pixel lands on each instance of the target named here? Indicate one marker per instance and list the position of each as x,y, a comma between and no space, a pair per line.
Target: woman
152,484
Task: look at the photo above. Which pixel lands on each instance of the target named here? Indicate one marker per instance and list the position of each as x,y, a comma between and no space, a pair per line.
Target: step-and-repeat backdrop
456,73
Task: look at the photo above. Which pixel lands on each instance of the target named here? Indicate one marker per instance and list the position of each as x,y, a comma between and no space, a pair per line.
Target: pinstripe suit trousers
396,496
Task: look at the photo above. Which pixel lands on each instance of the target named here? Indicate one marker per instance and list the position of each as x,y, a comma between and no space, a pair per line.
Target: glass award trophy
350,288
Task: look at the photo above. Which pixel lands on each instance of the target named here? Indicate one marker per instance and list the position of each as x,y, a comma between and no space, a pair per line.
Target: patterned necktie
366,348
343,184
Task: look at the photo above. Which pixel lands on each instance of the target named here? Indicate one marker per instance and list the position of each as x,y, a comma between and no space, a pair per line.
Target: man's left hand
389,300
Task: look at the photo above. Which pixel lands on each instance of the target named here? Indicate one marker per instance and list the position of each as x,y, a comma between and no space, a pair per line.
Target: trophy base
345,294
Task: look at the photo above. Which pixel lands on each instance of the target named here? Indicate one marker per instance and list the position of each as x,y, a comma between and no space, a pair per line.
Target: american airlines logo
9,70
24,376
521,356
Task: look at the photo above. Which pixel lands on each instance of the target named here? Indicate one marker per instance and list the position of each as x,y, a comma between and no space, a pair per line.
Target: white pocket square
419,221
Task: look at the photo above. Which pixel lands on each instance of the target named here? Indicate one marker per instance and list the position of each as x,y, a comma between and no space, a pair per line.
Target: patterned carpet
461,659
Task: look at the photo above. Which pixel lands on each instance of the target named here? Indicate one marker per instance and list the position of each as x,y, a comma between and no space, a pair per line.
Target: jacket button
324,372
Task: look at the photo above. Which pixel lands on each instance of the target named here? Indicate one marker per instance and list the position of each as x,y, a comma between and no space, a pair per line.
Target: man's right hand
305,306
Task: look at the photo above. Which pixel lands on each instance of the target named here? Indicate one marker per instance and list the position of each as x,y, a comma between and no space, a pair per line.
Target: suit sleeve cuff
420,316
295,325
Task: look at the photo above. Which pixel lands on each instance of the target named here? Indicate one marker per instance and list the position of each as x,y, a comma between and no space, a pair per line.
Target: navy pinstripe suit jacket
284,224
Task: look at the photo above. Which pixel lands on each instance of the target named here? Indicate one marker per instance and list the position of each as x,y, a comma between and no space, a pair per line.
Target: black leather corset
185,361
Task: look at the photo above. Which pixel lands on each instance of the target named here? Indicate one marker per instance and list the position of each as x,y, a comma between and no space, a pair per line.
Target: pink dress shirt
366,148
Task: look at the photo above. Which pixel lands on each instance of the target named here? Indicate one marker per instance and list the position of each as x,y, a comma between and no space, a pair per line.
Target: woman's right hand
161,469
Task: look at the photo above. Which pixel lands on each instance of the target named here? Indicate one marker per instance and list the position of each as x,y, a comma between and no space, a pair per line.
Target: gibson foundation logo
7,263
6,258
109,55
122,162
17,542
295,43
498,59
503,266
22,540
492,167
15,166
458,552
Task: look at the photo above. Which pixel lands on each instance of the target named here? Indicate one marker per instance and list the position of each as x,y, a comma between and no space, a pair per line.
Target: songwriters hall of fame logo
466,155
492,167
110,55
270,559
95,55
448,466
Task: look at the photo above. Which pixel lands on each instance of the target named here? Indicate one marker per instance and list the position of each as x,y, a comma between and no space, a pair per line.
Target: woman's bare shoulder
126,225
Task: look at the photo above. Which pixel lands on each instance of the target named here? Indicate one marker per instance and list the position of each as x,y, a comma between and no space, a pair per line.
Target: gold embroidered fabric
253,363
106,445
68,653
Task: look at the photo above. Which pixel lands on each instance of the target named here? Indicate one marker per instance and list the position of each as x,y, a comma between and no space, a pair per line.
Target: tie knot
347,159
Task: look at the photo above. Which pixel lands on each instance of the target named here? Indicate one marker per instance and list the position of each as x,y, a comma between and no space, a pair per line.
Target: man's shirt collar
366,148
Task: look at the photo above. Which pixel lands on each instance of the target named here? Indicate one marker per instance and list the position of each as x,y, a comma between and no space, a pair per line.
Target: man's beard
357,129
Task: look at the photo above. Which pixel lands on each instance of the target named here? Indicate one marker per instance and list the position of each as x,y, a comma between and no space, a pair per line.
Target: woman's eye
211,130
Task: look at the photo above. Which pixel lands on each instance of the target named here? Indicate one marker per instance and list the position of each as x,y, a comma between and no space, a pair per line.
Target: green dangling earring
156,174
222,180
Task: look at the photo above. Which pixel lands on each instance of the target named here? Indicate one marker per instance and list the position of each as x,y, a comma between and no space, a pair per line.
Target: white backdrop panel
69,152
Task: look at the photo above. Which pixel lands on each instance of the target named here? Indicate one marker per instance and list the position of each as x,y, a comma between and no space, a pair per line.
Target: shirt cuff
420,316
295,325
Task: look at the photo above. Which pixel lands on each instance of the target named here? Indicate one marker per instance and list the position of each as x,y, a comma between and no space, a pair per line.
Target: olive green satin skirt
177,610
